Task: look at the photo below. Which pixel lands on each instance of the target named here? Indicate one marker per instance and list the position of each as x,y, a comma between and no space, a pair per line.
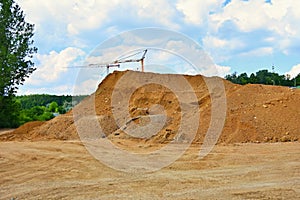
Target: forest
40,107
264,77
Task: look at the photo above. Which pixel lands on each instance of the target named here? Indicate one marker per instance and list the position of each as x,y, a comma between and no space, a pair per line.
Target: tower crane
117,63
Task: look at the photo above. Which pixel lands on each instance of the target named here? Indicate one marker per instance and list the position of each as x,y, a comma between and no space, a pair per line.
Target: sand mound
255,113
22,133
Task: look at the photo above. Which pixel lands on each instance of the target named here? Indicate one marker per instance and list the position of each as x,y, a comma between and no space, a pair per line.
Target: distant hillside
29,101
43,107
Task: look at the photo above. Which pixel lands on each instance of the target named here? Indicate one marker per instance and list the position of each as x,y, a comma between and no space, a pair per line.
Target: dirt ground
65,170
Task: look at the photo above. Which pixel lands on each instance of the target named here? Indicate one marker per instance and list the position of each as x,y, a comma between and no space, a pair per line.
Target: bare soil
65,170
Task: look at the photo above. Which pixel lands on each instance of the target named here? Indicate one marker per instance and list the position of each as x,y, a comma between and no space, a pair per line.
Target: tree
53,106
16,52
243,79
252,78
297,80
264,77
9,112
232,77
16,48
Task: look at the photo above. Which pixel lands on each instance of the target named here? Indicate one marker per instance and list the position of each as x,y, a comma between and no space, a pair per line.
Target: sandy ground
65,170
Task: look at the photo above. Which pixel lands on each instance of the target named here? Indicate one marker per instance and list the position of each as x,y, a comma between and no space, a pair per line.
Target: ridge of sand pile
255,113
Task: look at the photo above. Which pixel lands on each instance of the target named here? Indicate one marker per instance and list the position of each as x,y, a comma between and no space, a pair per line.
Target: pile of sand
255,113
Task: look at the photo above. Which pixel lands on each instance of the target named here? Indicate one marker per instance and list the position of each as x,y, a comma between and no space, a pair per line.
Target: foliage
53,107
42,107
29,101
16,48
264,77
36,113
9,112
16,52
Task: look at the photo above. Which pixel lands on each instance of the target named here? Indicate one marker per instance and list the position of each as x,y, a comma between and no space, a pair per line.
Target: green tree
261,76
297,80
252,79
243,79
53,106
16,52
232,77
9,112
264,77
61,110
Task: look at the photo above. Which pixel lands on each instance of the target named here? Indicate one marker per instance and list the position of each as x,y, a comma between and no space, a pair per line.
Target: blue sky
238,35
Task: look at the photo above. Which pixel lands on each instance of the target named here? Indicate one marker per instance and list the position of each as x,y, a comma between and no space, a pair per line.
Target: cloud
247,15
86,15
89,15
280,18
160,11
223,70
196,12
76,15
263,51
221,49
51,66
294,71
70,22
214,42
86,87
57,90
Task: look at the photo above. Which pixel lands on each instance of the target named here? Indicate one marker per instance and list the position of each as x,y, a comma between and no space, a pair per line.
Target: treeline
36,107
264,77
29,101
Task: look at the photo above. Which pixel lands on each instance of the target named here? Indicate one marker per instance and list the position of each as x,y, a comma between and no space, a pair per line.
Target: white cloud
262,51
280,17
196,11
193,53
75,16
214,42
247,15
223,70
87,15
86,87
294,71
160,11
57,90
221,49
52,65
277,20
